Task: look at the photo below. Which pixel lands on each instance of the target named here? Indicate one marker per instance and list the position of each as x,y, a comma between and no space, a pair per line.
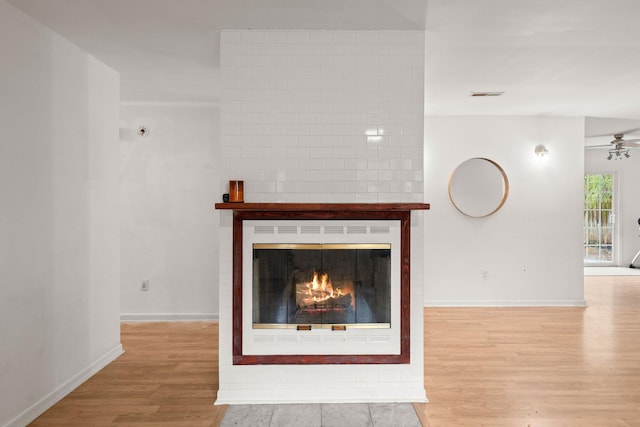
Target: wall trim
506,303
407,394
38,408
168,317
204,104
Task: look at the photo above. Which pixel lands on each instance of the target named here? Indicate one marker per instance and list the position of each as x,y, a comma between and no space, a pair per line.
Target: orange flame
321,289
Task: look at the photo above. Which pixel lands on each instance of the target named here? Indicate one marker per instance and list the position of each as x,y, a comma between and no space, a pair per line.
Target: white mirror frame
478,187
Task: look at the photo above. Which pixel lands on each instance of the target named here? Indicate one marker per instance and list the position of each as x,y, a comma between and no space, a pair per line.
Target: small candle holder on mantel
236,191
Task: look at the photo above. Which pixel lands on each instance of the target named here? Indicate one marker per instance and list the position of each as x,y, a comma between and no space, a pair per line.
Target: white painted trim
611,271
505,303
38,408
169,104
278,396
168,317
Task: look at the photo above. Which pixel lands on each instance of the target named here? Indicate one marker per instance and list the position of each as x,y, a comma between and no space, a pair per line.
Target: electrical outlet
485,275
144,285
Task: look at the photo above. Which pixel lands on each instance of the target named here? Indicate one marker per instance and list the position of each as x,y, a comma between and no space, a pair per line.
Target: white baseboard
168,317
280,396
505,303
38,408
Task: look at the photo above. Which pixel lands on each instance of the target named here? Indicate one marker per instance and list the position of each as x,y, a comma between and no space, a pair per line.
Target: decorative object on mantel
236,191
225,197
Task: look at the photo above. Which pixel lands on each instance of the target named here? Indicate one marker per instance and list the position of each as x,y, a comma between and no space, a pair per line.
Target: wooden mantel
311,207
278,211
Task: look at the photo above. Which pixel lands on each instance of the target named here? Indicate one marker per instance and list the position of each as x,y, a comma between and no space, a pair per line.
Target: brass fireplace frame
316,246
321,246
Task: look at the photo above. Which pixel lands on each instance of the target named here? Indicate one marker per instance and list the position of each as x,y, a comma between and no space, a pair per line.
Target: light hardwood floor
168,376
537,366
483,367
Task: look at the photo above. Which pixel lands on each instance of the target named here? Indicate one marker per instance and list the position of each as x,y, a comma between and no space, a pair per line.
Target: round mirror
478,187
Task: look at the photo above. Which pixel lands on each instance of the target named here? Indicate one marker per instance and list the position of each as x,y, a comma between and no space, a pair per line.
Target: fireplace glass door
321,286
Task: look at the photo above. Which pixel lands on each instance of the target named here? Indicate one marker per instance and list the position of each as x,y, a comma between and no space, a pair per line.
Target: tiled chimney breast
297,107
322,116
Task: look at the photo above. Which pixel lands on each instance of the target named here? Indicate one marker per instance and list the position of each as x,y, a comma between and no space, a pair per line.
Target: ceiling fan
619,147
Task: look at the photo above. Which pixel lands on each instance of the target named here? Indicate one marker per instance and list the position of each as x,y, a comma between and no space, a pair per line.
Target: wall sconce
541,150
375,134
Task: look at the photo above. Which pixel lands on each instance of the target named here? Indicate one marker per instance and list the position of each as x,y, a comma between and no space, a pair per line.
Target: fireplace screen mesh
321,285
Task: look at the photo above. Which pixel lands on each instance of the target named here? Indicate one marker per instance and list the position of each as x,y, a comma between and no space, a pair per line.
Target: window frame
614,228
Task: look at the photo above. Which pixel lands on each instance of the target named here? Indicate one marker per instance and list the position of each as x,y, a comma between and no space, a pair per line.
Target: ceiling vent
486,93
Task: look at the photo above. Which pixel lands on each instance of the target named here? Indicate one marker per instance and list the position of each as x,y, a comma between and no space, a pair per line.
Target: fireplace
321,283
321,287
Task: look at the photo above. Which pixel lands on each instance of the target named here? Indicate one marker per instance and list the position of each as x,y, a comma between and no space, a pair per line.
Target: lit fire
320,290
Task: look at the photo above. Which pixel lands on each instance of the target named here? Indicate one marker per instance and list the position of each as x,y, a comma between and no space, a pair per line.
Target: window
599,219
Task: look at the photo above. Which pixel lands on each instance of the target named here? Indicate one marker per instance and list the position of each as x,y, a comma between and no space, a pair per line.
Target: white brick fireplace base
244,384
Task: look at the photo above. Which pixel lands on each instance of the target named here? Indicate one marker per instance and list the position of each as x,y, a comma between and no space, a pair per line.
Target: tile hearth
322,415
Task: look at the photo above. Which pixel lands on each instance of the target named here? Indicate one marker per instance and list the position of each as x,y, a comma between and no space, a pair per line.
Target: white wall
532,248
59,251
627,173
295,110
169,226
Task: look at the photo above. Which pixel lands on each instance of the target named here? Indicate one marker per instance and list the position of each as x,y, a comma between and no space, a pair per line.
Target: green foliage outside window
598,218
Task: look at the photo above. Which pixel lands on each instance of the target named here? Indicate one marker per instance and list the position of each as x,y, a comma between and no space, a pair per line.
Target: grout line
273,409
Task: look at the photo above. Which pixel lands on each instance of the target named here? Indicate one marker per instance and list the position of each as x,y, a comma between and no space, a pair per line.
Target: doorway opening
599,219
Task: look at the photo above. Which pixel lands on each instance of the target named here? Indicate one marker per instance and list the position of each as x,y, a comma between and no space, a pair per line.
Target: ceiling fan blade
632,143
598,146
597,140
604,135
610,135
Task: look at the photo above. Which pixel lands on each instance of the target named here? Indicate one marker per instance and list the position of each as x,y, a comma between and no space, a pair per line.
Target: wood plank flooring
537,366
168,376
483,367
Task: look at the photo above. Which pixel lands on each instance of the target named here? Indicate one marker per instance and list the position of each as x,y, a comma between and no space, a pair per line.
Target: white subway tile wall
297,108
322,116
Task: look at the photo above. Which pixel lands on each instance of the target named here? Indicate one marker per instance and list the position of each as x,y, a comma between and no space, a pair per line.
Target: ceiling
569,57
168,50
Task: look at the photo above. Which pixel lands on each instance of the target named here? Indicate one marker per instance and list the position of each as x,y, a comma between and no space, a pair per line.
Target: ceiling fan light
627,155
609,156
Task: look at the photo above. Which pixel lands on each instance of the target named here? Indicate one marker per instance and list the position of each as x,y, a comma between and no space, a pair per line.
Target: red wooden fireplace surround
311,211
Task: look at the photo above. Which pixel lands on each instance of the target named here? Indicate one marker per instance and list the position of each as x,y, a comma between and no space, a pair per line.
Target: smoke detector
143,131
